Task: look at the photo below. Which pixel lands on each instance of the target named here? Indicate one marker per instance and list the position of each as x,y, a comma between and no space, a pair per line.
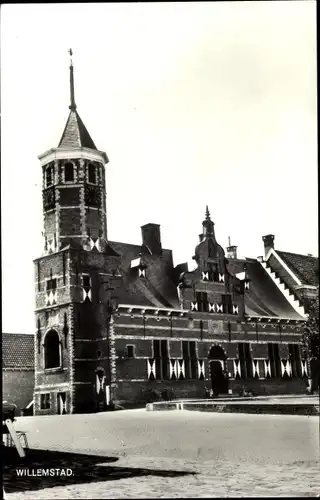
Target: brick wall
139,392
70,221
69,197
17,387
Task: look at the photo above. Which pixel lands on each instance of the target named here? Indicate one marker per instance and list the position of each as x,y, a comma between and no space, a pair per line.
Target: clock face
92,196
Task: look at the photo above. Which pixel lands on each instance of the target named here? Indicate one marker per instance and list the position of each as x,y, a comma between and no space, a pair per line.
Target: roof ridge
299,254
18,333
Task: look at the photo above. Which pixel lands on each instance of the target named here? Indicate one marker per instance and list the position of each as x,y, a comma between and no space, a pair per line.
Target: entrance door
219,383
62,403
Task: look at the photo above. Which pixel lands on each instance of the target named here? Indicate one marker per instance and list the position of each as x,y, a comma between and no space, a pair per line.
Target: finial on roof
207,213
72,106
229,239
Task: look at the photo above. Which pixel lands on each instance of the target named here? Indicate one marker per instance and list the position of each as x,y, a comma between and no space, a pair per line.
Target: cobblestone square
173,455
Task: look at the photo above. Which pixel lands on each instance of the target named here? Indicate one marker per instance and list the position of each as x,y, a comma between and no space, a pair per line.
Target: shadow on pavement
85,469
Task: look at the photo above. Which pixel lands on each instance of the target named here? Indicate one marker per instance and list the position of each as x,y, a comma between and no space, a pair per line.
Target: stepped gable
158,290
17,350
305,267
263,297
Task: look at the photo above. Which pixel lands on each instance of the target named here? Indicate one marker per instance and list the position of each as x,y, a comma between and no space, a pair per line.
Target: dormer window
92,173
49,176
68,172
213,274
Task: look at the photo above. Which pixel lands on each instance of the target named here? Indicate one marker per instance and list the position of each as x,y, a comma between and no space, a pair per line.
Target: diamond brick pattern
304,368
255,368
173,369
86,295
181,369
151,367
100,384
51,246
236,368
286,368
51,298
201,370
267,368
62,404
94,243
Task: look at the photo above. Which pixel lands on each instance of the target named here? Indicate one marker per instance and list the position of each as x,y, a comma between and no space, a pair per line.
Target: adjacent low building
18,369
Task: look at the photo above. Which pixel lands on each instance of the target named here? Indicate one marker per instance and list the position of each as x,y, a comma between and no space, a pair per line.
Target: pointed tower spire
73,105
75,133
207,225
207,213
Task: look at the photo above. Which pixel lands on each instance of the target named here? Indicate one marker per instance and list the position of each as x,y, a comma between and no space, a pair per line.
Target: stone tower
75,277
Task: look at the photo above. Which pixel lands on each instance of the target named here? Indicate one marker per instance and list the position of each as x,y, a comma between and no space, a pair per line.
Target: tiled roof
75,133
158,290
263,297
17,350
305,267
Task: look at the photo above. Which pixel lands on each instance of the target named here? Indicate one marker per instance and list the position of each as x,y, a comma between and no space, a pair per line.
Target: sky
195,104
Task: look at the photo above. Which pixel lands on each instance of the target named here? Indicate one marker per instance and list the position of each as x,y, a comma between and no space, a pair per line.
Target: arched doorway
218,375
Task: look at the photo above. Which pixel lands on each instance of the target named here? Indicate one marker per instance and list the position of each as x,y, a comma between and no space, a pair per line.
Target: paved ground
224,455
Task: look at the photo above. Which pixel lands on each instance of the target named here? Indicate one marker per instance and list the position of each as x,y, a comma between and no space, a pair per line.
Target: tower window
213,272
294,356
160,354
52,350
227,304
49,176
245,360
86,281
68,172
130,351
189,355
92,174
52,284
274,357
202,299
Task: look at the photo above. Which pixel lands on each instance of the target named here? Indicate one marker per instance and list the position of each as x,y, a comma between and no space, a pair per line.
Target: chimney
268,242
231,250
151,238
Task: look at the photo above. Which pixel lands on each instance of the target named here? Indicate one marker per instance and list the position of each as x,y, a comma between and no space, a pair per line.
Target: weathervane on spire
72,106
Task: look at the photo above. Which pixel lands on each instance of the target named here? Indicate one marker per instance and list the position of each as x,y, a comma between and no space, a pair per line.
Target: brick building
116,321
18,369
